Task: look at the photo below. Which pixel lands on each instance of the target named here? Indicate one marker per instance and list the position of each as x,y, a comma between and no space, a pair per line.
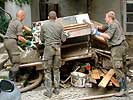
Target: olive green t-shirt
116,33
51,32
15,28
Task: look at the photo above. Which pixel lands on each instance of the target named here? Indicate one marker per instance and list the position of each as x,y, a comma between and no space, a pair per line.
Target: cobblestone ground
71,93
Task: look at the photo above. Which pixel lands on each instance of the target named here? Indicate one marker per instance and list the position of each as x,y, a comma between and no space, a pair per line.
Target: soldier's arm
22,39
27,28
107,34
102,28
20,33
42,35
64,34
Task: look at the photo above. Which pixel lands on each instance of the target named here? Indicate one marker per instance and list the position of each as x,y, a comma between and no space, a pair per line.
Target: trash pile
89,76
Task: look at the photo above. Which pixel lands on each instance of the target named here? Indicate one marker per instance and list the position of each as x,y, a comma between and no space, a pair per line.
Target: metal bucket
78,79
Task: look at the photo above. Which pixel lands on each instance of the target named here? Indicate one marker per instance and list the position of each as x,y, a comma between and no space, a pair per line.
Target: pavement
74,93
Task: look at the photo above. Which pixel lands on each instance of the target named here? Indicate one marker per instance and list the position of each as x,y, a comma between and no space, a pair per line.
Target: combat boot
12,76
56,91
123,88
121,93
48,94
13,73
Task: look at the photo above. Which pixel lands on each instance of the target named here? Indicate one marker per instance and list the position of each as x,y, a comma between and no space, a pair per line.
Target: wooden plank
95,74
113,80
31,64
107,78
69,28
110,83
76,29
101,73
73,25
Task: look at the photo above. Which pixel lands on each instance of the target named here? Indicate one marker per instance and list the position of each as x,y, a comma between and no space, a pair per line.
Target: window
129,16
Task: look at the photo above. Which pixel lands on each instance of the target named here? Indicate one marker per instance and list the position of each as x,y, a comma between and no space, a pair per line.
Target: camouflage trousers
52,64
13,52
14,56
118,54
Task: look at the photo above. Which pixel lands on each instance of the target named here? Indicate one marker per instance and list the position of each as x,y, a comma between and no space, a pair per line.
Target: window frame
125,22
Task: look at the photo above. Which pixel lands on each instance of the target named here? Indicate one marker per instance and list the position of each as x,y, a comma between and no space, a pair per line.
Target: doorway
46,7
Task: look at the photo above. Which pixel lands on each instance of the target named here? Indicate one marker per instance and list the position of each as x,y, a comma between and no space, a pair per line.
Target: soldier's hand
31,44
94,31
28,43
27,28
64,36
67,34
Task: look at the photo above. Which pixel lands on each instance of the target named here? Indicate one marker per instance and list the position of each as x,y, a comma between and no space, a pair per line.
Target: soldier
14,33
52,33
116,40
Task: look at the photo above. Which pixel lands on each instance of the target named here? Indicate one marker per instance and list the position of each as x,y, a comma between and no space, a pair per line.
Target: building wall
100,7
66,7
35,13
98,10
72,7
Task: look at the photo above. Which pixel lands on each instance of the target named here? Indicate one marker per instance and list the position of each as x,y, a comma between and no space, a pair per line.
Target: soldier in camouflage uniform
52,33
115,37
14,33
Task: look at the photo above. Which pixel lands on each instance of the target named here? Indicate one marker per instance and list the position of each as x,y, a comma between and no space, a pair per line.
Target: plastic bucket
8,91
78,79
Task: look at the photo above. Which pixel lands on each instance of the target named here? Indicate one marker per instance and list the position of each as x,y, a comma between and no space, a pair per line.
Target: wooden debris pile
106,77
100,77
